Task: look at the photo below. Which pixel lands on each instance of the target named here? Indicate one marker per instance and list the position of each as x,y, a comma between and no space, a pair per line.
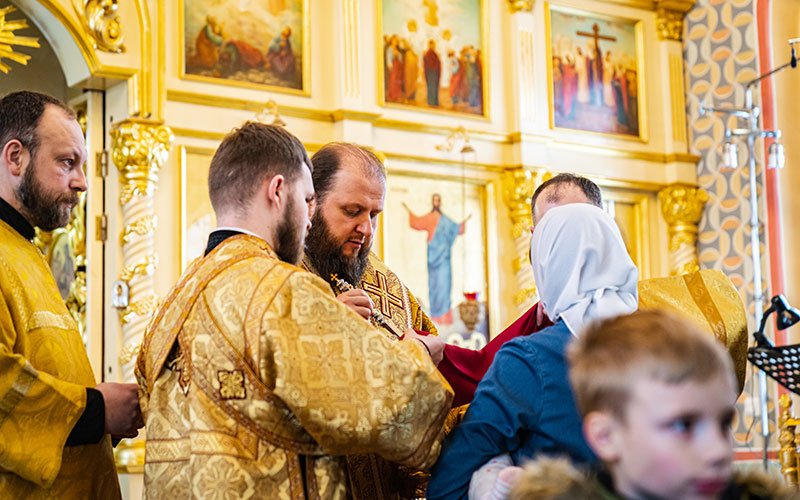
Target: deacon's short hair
20,113
589,188
247,157
332,156
611,355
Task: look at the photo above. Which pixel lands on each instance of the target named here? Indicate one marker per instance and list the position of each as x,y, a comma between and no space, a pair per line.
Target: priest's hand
359,301
123,415
433,344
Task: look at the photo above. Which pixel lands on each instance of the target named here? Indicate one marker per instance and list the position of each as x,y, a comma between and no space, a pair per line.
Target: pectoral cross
382,291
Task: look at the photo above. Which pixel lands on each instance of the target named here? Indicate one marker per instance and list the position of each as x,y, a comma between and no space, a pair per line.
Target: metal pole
755,245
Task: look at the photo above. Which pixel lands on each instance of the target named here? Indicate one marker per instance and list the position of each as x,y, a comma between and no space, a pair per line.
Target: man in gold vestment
54,420
256,382
350,184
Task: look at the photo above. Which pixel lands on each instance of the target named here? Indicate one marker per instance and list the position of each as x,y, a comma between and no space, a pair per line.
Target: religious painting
433,55
246,43
434,239
197,215
595,68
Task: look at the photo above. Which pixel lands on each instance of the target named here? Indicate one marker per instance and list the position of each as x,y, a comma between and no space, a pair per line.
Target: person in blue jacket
524,405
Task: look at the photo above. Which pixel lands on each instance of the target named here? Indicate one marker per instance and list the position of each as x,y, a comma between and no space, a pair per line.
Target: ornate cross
382,291
597,37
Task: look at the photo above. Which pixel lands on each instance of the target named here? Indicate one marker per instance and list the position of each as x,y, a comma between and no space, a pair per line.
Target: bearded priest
255,380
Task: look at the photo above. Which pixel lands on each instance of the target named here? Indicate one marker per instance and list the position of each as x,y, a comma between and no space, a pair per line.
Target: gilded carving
518,5
100,19
144,307
143,268
8,39
682,207
669,24
140,226
139,149
525,295
788,456
518,187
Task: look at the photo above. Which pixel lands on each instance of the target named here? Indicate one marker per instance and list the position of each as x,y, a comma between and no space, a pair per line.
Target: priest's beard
47,211
289,237
325,253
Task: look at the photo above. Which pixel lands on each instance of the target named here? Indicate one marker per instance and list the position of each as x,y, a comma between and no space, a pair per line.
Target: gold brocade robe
256,382
373,476
44,373
391,297
709,298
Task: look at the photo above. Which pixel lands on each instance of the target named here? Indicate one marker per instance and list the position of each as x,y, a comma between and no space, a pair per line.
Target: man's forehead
353,171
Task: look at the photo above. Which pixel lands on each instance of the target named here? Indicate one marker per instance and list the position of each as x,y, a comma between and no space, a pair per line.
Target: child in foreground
657,399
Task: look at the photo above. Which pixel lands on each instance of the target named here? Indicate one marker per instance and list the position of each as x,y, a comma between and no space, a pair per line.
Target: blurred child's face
676,440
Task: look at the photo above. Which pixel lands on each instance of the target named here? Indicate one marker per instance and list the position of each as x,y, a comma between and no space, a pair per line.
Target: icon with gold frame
434,236
595,73
263,45
432,55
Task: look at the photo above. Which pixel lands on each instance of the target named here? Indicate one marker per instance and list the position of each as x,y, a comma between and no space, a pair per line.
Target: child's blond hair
613,354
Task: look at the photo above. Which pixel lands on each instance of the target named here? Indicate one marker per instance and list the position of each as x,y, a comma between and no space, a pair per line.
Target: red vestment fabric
464,368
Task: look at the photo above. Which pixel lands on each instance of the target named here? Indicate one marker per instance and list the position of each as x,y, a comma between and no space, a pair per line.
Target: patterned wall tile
720,53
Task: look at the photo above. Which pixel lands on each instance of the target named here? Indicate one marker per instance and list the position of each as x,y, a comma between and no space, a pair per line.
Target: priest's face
296,219
345,222
53,178
674,441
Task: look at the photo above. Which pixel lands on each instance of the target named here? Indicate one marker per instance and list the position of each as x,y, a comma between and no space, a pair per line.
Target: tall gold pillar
682,207
518,187
139,149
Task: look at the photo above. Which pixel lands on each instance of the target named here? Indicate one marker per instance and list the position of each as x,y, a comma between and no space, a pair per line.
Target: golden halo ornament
8,39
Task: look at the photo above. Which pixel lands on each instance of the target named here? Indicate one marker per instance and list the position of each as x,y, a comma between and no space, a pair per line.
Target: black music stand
782,363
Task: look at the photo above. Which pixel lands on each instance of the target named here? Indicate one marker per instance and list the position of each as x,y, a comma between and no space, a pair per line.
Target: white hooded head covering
582,269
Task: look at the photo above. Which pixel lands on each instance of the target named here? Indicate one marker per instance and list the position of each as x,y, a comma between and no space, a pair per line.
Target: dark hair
249,155
588,187
653,344
330,158
20,113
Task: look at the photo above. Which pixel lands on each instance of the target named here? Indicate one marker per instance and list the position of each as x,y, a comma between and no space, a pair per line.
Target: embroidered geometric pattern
231,384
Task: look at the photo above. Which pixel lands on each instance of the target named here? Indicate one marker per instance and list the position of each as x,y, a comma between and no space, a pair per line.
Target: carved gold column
139,149
787,438
518,187
682,207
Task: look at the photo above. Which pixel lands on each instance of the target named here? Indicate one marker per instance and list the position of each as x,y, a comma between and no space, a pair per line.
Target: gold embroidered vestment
44,373
256,382
372,476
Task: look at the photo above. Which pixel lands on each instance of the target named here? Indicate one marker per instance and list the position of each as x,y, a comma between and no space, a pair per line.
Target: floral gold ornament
100,19
682,207
669,24
270,114
787,439
8,39
147,266
139,149
519,5
518,187
146,224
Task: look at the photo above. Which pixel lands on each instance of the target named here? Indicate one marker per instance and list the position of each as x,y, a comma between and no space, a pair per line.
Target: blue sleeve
506,401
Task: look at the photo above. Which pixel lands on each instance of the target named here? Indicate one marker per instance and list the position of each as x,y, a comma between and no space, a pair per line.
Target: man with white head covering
524,405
